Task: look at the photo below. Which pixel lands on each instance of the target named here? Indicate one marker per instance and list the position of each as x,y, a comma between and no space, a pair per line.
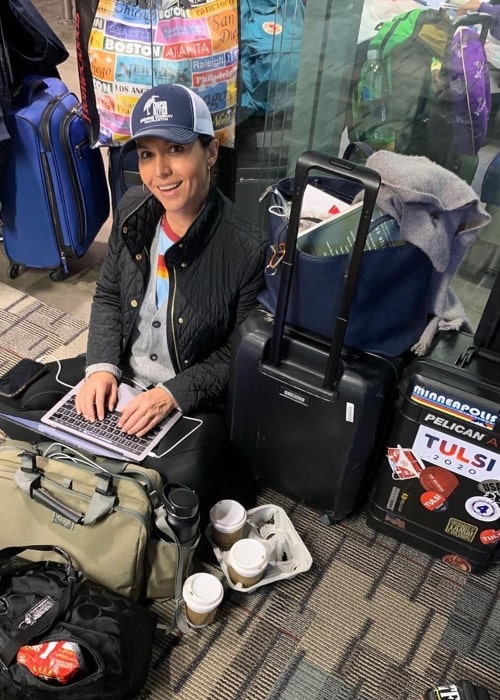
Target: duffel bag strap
42,616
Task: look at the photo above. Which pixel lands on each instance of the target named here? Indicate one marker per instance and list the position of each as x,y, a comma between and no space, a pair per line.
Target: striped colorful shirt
167,238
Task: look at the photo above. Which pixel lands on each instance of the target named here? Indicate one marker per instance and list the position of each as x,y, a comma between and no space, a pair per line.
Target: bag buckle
104,485
278,253
28,460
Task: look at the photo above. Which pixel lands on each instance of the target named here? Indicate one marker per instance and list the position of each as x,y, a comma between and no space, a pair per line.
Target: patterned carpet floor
372,619
30,328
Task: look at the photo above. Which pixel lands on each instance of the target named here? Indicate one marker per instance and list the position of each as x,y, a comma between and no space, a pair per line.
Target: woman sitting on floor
182,271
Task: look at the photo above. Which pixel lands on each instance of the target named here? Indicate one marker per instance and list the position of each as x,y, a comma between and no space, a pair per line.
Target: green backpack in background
407,45
416,54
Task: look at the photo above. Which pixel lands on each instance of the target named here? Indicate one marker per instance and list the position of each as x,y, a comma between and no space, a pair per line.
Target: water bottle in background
461,690
374,95
182,511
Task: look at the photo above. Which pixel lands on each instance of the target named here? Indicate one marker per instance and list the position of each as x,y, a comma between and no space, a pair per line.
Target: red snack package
57,660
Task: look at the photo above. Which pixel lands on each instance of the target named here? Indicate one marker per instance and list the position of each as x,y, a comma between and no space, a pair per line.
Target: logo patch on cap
155,110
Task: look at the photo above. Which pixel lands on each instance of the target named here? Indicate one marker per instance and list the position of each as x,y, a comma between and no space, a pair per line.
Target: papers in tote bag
328,225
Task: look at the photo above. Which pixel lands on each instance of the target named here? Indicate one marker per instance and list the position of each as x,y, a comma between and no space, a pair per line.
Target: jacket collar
142,214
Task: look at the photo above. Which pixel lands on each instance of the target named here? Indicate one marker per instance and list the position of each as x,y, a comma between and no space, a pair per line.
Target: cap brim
174,134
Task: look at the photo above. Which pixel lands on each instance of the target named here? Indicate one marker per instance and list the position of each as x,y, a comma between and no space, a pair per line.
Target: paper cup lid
248,557
202,592
228,515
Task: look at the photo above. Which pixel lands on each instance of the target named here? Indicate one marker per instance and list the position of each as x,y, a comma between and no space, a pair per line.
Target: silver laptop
63,418
58,436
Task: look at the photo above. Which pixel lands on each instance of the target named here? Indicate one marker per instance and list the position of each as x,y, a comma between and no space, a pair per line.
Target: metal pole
67,12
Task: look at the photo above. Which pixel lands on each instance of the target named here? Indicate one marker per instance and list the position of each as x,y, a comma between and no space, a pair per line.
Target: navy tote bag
391,300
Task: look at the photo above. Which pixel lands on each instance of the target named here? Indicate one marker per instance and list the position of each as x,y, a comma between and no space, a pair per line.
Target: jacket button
186,362
134,303
125,230
138,256
180,319
156,324
153,357
184,264
181,245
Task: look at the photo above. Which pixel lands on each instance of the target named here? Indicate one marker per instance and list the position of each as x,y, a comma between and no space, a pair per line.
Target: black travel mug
182,507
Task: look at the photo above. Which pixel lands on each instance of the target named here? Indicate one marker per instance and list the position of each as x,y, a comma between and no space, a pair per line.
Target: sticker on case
461,530
489,486
488,537
482,508
457,562
404,463
434,501
439,480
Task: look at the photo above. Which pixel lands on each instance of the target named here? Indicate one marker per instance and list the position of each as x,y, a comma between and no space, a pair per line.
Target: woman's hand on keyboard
146,410
98,396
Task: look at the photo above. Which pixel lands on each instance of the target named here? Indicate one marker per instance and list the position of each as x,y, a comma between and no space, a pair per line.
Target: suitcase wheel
327,518
57,275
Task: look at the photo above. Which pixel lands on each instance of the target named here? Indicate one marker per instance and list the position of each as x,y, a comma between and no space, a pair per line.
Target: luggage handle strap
370,181
483,18
29,479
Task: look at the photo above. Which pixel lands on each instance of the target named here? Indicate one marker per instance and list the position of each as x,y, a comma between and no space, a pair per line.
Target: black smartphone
16,379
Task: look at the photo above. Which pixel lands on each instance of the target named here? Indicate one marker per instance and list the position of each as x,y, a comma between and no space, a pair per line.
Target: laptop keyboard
107,430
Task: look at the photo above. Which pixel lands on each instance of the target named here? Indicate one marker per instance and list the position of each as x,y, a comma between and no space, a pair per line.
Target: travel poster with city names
133,48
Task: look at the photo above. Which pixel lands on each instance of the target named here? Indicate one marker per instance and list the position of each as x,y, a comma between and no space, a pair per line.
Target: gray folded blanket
438,212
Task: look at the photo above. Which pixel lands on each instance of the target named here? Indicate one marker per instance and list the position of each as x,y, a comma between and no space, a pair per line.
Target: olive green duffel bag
113,525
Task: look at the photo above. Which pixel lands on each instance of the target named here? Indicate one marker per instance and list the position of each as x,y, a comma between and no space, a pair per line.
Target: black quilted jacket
215,272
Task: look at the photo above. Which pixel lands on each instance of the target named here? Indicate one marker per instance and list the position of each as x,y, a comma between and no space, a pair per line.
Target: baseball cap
171,112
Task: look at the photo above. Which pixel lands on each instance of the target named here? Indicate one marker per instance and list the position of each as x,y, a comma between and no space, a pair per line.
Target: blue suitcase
54,194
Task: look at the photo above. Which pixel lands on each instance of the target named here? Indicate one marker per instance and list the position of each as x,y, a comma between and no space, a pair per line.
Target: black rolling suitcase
438,488
306,415
54,194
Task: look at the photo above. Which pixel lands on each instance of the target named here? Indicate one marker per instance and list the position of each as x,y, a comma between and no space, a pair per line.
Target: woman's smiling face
177,174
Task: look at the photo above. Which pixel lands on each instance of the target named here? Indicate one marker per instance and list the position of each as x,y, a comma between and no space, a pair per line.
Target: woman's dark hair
205,140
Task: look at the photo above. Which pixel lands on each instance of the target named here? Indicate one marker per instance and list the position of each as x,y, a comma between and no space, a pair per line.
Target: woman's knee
193,453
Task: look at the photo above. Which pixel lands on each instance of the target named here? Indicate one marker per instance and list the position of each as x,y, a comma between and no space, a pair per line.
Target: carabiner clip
276,258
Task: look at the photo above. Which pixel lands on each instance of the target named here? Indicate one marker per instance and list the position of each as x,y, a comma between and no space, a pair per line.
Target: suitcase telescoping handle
485,20
370,181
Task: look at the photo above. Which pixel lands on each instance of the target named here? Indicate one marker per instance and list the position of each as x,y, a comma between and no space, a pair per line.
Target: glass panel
311,108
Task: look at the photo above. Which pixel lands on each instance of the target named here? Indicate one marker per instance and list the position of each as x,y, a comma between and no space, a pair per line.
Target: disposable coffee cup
228,520
247,562
202,594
